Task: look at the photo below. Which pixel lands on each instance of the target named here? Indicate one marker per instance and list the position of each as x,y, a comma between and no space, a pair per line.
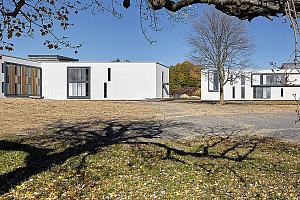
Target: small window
105,90
233,92
281,92
231,79
242,79
243,92
3,87
109,74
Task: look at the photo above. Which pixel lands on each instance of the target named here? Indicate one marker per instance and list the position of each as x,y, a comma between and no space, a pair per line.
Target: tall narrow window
243,80
109,74
233,92
162,84
281,92
243,86
213,81
105,90
78,82
243,92
231,79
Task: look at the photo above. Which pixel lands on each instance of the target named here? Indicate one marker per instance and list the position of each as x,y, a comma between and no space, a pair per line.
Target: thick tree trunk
221,94
222,80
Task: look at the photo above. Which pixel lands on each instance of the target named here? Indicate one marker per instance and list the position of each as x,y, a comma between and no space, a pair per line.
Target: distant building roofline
290,66
51,58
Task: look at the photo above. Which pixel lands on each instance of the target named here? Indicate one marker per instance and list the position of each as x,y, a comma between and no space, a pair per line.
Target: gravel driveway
280,125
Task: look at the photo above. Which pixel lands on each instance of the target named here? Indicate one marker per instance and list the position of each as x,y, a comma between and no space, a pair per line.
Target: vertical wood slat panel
12,79
23,81
33,81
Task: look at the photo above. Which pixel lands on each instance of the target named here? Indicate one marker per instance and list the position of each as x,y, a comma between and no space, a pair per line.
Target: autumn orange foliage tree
185,79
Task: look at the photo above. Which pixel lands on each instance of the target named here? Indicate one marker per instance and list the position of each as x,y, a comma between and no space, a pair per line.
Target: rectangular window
105,90
257,92
268,79
213,81
233,92
261,92
266,92
243,80
109,74
231,79
281,92
243,92
78,82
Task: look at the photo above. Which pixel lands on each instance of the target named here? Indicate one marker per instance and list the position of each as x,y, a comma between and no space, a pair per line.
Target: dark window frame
88,82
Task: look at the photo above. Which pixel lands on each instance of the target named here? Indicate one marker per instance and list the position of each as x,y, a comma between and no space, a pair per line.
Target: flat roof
49,56
111,62
80,61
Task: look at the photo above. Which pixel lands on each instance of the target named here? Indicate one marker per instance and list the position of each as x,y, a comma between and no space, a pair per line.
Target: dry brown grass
19,115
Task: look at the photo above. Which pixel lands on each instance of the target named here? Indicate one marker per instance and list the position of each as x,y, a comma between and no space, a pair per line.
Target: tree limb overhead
243,9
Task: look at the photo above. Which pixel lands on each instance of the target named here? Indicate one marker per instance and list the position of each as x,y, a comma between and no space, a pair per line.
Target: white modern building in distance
279,84
58,77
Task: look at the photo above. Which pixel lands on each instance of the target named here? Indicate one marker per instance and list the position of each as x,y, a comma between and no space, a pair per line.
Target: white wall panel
129,81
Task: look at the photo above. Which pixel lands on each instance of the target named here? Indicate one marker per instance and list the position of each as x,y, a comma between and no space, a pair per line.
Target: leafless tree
221,43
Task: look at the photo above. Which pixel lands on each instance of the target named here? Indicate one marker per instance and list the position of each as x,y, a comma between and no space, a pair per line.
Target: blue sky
106,38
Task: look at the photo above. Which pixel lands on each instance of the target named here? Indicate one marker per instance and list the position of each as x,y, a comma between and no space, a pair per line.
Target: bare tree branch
221,43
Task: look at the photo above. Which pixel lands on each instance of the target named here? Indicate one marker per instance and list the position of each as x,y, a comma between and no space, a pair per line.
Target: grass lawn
112,150
100,160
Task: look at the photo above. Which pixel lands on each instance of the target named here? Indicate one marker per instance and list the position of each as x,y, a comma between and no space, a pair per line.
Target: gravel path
280,125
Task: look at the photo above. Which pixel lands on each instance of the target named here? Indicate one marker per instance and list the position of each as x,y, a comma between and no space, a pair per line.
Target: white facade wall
289,89
162,77
129,81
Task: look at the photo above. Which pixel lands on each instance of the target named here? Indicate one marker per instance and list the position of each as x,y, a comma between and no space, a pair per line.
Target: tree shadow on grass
60,141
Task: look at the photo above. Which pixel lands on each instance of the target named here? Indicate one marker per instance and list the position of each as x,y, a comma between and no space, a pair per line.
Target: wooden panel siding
28,80
23,81
12,80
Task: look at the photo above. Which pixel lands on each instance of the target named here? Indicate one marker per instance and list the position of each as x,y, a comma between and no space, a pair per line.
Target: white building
57,77
280,84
